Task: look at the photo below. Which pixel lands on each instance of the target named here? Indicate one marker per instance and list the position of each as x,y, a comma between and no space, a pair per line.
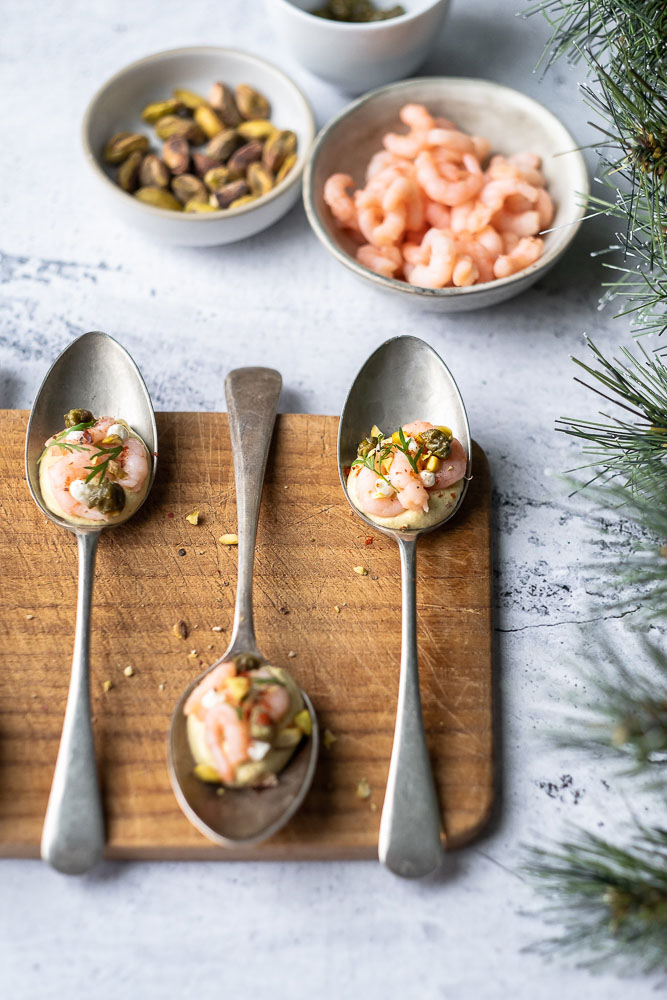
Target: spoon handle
409,842
252,401
73,834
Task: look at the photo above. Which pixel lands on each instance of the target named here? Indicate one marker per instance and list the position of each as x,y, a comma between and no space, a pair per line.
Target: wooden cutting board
343,627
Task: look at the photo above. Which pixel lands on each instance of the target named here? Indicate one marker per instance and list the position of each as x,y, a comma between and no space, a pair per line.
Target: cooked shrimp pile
244,721
406,470
93,469
433,214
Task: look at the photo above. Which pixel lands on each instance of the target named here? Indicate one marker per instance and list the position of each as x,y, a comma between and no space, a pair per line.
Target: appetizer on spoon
410,479
91,474
244,725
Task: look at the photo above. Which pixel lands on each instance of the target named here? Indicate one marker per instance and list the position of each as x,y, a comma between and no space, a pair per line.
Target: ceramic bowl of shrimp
458,193
117,106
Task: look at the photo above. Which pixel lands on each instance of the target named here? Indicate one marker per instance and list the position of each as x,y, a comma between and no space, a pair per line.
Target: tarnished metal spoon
405,380
243,816
94,372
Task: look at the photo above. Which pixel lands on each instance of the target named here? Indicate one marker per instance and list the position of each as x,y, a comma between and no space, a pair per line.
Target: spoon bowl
405,380
246,816
95,372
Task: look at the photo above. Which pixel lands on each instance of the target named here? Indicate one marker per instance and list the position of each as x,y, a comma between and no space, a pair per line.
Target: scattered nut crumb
129,671
193,518
374,807
219,791
210,645
373,578
107,685
312,539
195,626
217,628
361,570
230,539
193,653
180,629
329,739
291,654
29,618
336,609
201,552
363,789
160,687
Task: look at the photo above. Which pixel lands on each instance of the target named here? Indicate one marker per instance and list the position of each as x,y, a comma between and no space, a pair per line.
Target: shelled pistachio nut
185,127
260,180
158,198
222,100
257,128
122,144
208,121
128,172
187,188
277,148
188,98
202,163
158,109
244,200
239,161
176,154
223,144
200,206
216,178
231,192
286,167
154,172
251,103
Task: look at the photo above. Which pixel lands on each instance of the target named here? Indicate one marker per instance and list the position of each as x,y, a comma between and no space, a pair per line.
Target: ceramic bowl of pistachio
199,146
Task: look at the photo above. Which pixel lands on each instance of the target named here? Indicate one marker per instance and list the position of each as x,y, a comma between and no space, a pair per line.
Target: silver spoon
95,372
243,816
405,380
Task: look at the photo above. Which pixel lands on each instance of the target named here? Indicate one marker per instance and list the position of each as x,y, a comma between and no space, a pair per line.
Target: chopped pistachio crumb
329,739
361,570
193,653
230,539
374,807
29,618
107,685
193,518
160,687
336,609
304,722
291,654
129,671
363,789
217,628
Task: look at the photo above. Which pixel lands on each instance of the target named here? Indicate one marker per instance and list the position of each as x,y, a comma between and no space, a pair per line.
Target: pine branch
631,452
611,900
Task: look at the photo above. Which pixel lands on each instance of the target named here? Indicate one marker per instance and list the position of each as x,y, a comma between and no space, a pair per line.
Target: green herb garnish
101,470
403,446
67,445
374,459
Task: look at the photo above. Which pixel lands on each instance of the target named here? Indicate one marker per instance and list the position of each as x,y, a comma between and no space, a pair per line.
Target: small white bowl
357,57
117,107
511,121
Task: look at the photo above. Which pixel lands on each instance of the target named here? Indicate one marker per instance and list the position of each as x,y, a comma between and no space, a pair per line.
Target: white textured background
310,931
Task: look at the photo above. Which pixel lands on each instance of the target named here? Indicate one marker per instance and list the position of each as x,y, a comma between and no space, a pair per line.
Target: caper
366,446
260,729
246,661
109,498
437,442
78,416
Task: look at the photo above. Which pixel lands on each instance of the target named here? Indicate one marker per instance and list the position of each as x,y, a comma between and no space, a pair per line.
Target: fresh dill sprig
58,439
403,446
375,457
610,900
110,455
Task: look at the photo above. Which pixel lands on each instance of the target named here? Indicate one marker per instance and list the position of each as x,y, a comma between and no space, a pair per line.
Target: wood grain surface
159,568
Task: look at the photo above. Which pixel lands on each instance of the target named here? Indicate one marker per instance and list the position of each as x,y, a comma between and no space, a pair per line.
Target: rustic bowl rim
578,165
193,217
409,15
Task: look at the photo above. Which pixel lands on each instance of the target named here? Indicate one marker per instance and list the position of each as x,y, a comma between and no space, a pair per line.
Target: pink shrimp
465,272
420,122
134,463
435,262
481,147
341,204
213,680
381,218
460,216
381,161
452,185
274,699
383,260
466,244
411,491
363,488
438,215
64,471
491,240
525,253
452,468
415,427
227,737
91,435
521,223
545,208
454,142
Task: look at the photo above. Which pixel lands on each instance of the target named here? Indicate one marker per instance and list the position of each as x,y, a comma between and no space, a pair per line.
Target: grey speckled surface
306,930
